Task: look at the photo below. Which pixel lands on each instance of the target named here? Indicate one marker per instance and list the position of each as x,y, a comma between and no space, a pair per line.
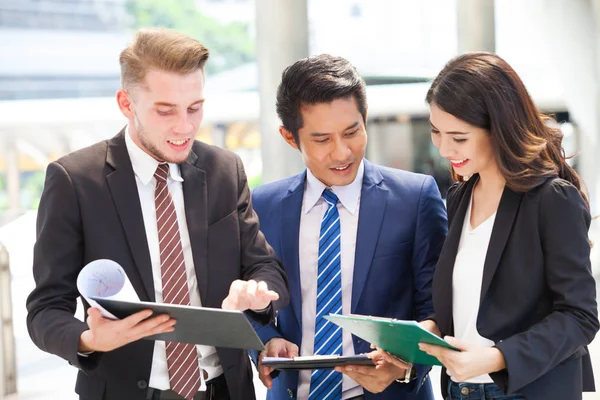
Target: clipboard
400,338
195,325
316,362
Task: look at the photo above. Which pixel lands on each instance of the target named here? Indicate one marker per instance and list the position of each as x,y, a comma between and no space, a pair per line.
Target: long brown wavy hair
483,90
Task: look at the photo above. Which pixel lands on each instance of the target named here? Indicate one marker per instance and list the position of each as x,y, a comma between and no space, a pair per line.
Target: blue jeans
477,391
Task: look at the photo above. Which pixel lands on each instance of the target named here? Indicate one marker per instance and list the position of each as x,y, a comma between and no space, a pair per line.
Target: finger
266,379
266,370
230,302
262,287
251,288
145,328
361,370
237,295
94,315
165,327
275,351
351,374
237,286
429,348
272,295
459,344
390,358
441,353
136,318
292,350
375,355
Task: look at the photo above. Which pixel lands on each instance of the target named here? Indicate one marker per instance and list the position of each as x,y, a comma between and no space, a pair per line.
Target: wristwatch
411,374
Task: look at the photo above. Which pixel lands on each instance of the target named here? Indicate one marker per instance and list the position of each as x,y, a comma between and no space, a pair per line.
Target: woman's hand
431,326
472,360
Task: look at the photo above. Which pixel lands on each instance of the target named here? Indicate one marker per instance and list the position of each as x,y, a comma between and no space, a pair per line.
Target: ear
288,137
124,101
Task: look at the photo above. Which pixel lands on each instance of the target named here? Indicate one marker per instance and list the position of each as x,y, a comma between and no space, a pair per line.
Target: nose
184,124
444,145
341,151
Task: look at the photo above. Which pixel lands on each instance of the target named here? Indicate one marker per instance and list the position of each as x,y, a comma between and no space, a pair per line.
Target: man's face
332,141
164,114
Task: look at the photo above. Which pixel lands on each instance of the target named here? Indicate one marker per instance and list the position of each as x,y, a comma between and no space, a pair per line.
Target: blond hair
162,49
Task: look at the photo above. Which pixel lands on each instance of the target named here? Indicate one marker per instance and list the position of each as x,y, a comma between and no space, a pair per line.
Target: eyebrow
166,104
450,132
319,134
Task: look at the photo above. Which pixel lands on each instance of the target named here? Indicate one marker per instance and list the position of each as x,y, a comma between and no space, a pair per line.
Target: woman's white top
466,283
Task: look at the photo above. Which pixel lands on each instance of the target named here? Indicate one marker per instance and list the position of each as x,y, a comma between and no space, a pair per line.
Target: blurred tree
31,188
254,181
229,44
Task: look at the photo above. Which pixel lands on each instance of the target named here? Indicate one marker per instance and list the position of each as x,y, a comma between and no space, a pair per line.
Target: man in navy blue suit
354,237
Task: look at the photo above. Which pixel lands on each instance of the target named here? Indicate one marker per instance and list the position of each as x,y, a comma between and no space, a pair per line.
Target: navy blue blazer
401,229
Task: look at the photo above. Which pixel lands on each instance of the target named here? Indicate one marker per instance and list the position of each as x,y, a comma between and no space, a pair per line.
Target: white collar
144,165
349,195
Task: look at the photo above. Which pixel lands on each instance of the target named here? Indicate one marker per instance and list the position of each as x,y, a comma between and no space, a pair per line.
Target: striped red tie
182,359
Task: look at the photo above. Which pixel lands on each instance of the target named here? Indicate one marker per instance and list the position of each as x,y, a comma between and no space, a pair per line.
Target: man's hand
376,379
276,347
107,334
472,360
248,295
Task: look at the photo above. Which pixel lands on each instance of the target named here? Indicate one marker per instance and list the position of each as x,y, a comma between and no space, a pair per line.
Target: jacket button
142,384
290,393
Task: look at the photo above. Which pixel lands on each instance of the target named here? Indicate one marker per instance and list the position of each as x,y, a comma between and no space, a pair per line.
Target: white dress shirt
313,209
466,283
144,167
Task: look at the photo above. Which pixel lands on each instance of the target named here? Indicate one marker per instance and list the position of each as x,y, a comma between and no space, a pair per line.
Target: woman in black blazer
526,291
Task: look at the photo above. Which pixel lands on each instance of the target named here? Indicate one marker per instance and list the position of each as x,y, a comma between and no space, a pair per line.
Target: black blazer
90,209
538,296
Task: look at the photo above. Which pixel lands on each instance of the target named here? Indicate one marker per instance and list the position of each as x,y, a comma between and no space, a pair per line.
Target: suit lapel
291,208
505,217
442,282
196,215
372,209
123,189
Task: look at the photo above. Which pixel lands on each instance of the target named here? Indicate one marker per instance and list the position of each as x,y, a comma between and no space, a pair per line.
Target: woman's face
468,147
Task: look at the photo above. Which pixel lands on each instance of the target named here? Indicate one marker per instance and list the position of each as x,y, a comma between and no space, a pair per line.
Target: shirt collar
349,195
144,165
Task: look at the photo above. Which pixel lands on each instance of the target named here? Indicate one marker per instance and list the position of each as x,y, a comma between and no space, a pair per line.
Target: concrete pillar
476,25
282,39
8,361
572,36
13,180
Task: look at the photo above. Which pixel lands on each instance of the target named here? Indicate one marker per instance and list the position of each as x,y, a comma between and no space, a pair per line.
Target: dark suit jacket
538,297
401,229
90,209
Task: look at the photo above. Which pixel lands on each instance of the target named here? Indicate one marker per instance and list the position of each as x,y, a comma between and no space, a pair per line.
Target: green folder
400,338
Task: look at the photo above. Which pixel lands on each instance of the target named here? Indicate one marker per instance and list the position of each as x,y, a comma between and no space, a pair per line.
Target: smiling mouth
459,163
179,142
342,168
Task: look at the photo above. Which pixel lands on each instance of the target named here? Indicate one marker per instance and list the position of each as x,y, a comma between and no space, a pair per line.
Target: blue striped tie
327,384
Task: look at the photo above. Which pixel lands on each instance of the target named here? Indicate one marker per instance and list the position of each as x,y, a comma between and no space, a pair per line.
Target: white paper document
107,279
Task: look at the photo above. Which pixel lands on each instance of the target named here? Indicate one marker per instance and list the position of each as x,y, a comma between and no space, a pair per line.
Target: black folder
195,325
316,362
